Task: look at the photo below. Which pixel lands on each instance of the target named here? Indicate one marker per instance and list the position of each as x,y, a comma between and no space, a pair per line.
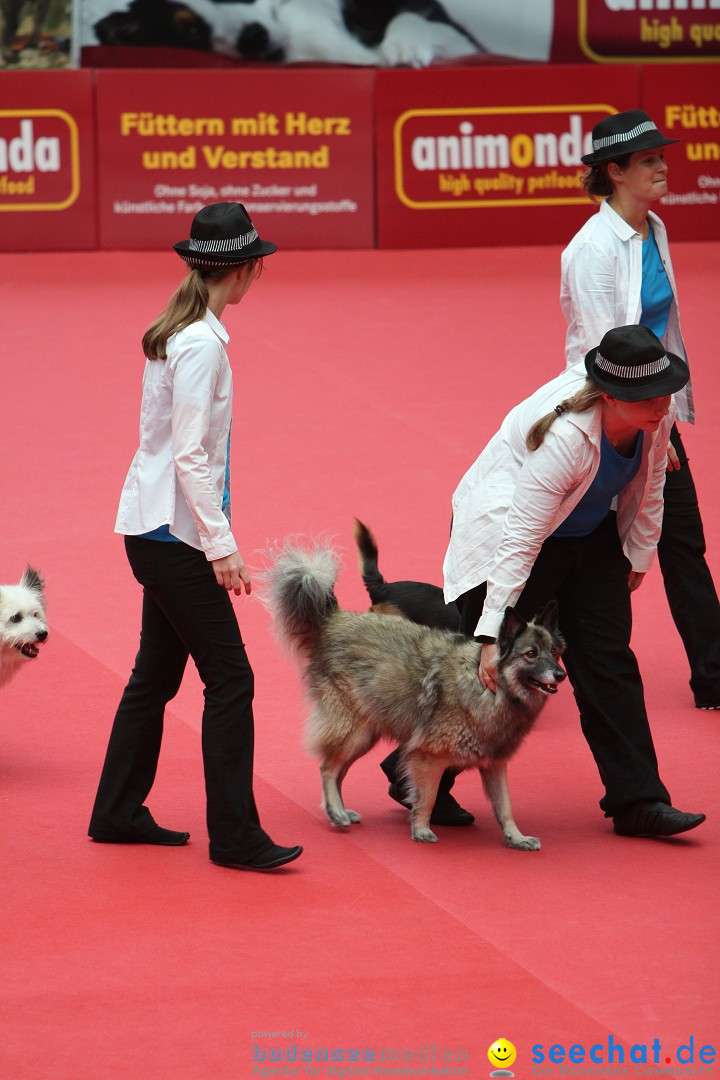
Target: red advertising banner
471,157
47,181
623,31
296,147
685,104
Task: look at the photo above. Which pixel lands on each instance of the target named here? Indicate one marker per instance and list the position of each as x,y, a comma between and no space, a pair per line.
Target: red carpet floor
366,383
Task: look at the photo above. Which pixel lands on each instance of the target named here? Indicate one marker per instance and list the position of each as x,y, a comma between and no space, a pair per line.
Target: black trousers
688,582
185,613
588,578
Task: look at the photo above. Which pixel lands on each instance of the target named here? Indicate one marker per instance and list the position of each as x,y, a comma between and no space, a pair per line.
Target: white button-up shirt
177,476
512,499
601,279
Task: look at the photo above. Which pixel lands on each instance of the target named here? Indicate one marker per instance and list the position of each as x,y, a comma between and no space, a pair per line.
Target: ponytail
187,305
578,403
596,180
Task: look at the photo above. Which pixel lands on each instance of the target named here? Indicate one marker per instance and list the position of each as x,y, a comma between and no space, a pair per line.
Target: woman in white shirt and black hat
617,270
565,503
175,516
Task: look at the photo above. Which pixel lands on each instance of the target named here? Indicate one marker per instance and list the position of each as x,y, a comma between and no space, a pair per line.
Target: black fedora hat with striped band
222,236
624,133
631,364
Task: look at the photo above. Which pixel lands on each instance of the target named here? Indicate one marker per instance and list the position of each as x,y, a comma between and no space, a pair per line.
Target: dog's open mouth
545,687
29,650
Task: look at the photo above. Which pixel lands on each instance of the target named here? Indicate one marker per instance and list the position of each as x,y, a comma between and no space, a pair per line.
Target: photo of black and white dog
370,677
381,33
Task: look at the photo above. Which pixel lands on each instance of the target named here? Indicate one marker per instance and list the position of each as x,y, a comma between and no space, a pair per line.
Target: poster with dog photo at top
370,33
35,34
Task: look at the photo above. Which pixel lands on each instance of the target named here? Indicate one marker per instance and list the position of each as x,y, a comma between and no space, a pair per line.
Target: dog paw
407,43
424,836
341,818
353,817
524,843
413,41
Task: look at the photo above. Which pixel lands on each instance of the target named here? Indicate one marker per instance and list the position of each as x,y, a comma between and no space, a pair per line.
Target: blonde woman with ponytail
565,503
175,516
579,403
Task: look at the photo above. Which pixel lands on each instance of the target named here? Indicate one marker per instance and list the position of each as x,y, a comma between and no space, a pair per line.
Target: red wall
472,157
295,148
47,168
338,158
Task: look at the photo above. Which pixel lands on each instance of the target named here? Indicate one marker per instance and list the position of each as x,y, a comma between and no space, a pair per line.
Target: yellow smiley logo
502,1054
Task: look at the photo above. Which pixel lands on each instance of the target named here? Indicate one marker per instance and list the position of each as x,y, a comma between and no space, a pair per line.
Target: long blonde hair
585,398
187,305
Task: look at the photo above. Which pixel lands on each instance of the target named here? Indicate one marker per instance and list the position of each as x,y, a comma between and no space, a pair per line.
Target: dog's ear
512,625
548,617
31,579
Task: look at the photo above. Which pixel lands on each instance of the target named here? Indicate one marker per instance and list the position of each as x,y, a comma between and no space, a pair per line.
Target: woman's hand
673,461
487,670
635,580
230,572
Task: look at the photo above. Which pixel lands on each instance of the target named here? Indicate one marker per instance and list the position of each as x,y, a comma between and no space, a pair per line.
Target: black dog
155,22
417,601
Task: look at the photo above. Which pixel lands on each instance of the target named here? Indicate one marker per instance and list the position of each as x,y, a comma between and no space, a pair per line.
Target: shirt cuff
489,625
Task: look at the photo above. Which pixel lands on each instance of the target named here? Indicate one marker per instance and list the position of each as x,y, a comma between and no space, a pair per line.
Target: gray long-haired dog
372,676
22,623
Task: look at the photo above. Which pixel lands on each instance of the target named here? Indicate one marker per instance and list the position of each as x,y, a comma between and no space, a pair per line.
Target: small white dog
22,623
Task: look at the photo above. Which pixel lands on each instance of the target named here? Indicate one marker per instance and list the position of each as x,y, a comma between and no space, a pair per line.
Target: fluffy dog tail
299,591
368,561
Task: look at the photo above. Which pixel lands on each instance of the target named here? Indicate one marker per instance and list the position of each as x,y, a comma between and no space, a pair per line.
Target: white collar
619,225
216,326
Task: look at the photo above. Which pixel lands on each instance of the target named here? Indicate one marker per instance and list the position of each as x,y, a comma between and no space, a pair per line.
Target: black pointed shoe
270,859
654,819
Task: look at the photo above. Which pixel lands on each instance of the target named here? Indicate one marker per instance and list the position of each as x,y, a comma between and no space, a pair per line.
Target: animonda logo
492,156
39,159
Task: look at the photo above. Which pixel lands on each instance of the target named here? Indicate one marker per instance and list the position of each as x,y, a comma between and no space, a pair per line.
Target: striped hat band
225,247
629,371
624,136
